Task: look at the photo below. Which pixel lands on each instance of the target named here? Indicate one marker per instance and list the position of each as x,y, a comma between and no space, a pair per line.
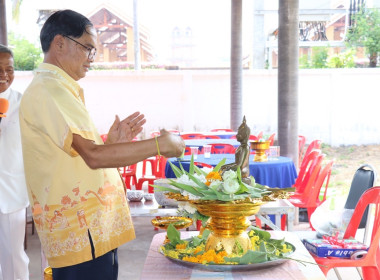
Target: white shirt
13,193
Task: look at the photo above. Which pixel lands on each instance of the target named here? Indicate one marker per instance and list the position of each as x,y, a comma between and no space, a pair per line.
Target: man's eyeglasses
91,51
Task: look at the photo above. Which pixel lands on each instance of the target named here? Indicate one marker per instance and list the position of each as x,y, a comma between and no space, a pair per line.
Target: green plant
304,62
365,32
319,57
342,60
26,55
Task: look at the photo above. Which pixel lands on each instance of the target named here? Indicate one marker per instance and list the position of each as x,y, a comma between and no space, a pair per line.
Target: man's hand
125,130
170,145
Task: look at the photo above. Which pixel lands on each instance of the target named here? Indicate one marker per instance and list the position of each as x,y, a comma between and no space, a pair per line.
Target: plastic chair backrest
221,130
314,145
370,196
303,174
187,151
130,169
160,166
222,148
310,178
323,177
364,178
193,136
104,137
301,146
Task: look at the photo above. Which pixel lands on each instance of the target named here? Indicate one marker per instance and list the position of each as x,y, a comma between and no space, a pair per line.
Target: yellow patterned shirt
68,199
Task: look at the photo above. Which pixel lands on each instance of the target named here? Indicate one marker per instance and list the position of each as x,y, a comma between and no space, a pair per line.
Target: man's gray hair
4,49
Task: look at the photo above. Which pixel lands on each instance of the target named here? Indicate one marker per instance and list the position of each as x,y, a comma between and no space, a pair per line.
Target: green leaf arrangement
227,188
264,248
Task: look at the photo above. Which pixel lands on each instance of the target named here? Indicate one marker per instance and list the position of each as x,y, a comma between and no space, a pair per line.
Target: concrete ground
132,255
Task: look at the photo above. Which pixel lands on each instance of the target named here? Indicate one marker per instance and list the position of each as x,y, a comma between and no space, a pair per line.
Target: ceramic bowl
134,195
148,196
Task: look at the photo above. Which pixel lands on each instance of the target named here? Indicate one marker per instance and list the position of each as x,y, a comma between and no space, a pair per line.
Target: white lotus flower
231,186
229,175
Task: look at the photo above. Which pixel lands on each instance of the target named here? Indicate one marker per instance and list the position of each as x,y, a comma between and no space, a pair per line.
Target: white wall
338,106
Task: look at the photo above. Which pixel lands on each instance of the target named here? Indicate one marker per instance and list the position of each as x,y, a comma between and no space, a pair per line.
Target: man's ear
58,43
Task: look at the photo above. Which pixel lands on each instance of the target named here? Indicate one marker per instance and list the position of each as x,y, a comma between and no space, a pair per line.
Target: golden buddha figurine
241,153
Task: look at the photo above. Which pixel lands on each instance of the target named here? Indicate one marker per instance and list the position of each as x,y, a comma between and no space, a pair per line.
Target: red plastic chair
152,161
221,130
193,136
187,151
271,139
307,166
301,146
104,137
158,173
309,199
129,176
222,148
307,172
370,263
314,145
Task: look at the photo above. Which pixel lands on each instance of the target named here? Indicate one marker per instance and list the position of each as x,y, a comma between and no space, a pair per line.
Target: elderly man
13,195
78,202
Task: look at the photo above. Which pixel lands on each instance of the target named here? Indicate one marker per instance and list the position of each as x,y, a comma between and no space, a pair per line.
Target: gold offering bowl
48,273
228,223
177,222
260,148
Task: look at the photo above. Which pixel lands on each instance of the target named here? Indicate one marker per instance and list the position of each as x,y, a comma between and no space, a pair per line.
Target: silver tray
230,267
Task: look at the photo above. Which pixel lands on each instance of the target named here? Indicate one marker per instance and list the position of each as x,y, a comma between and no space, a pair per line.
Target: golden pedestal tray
228,223
260,148
177,222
